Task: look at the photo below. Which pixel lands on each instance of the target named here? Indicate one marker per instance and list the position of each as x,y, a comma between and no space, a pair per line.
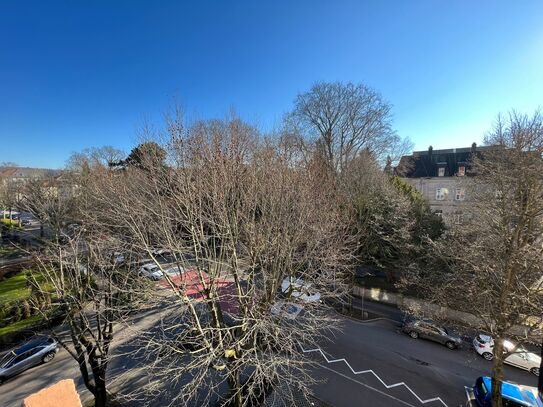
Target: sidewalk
420,307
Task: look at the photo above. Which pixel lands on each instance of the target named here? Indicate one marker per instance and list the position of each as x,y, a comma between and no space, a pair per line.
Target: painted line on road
469,392
369,371
366,385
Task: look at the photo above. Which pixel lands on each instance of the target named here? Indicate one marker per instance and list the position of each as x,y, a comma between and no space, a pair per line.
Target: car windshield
6,359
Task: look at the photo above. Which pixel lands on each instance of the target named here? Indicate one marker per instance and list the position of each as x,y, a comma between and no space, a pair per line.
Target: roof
515,392
427,163
30,345
27,172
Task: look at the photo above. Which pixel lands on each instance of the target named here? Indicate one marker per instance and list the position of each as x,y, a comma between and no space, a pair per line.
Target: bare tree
92,293
80,271
10,196
238,217
50,203
94,157
492,265
345,120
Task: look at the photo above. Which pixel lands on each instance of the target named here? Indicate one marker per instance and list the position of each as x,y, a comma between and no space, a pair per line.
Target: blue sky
76,74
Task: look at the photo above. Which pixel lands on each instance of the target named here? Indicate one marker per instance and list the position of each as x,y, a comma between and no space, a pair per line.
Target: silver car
428,330
33,353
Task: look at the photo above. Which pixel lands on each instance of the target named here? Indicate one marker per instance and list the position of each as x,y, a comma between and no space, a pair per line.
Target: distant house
13,179
441,176
24,174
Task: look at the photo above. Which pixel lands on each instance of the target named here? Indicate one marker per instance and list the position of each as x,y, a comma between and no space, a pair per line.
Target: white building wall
452,209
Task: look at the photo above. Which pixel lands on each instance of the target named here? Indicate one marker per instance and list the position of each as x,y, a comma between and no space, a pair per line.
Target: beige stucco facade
448,196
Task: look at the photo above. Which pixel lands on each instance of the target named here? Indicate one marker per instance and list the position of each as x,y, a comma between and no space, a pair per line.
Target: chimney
430,149
474,147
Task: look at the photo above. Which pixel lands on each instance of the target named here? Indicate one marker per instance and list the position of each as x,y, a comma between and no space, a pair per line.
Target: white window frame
461,170
460,194
441,194
458,218
441,172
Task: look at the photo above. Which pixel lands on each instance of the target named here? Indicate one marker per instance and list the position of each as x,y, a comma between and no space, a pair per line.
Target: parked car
298,288
159,252
151,271
175,271
31,354
513,395
118,258
520,357
287,309
428,330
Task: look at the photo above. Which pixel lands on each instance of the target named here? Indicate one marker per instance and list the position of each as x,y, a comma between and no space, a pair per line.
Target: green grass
15,289
22,324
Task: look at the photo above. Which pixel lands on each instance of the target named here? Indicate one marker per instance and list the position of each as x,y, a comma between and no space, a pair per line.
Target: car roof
149,265
31,345
514,392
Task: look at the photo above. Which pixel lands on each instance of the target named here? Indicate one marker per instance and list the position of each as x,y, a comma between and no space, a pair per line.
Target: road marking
388,386
366,385
468,390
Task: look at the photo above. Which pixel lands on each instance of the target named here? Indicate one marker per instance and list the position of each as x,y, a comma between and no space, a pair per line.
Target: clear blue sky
76,74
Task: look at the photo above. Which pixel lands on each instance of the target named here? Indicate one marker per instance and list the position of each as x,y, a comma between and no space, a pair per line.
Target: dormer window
461,170
441,172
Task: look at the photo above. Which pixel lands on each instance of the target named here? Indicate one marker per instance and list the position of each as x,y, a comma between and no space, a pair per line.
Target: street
387,356
430,370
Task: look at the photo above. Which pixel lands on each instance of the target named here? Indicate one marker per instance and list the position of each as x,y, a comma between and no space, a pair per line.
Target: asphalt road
429,369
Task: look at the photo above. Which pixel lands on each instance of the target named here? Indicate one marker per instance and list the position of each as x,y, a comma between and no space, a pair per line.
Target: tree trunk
497,373
100,396
235,389
99,375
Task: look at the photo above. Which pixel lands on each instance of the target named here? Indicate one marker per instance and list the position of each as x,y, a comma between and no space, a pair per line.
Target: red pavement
190,281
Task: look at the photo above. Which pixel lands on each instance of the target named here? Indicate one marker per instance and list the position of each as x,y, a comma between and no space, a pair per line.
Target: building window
439,213
441,193
460,194
458,218
441,172
461,170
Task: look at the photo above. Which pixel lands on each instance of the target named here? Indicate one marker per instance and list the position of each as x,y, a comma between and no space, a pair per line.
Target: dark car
33,353
428,330
513,395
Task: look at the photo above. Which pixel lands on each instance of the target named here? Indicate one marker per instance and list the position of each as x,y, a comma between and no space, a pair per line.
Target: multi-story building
441,176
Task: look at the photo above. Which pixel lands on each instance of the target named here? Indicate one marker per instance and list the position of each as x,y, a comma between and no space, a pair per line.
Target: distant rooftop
433,163
461,150
27,172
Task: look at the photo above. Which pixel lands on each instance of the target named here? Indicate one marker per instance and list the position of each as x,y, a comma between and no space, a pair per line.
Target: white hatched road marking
367,386
388,386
